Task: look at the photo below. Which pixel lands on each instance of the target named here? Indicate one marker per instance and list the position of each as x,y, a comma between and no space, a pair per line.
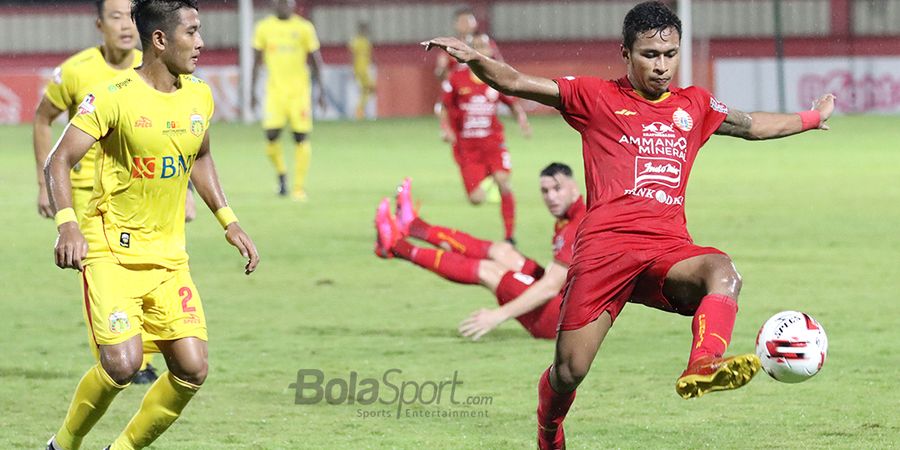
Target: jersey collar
625,84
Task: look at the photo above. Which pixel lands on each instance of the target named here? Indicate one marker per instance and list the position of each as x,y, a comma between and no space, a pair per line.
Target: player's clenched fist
825,106
71,247
454,47
238,238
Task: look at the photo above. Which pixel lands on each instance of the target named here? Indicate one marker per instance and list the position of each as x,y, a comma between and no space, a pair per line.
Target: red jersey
637,159
472,106
565,230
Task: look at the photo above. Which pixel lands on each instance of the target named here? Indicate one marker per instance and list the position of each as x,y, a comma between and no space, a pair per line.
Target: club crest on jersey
118,322
664,171
125,240
87,105
196,124
682,119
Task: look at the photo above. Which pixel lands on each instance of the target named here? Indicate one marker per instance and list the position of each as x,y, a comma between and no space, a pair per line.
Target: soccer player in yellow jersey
152,124
361,50
285,42
67,87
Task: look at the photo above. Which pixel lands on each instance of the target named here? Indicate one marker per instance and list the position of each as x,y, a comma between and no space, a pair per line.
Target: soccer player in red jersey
476,134
524,290
640,137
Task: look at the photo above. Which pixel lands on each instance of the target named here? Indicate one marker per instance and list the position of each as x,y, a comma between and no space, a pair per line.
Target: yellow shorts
296,108
159,304
81,196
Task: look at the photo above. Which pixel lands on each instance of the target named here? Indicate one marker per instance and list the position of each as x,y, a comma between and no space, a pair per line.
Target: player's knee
273,134
299,137
476,197
727,280
569,374
121,367
193,372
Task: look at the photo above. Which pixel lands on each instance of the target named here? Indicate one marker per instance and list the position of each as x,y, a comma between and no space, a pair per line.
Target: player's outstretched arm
43,119
766,125
499,75
71,246
254,76
522,118
206,182
484,320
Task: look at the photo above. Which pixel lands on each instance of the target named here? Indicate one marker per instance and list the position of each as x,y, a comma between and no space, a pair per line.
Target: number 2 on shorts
186,296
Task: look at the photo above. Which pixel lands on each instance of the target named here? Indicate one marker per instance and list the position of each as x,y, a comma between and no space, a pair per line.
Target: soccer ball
791,346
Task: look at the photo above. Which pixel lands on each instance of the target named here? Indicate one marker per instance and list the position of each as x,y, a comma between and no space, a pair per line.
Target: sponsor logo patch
716,105
658,129
87,105
664,171
143,122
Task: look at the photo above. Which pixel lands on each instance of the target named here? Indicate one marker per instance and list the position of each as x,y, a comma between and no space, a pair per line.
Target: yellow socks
94,393
162,404
303,155
273,150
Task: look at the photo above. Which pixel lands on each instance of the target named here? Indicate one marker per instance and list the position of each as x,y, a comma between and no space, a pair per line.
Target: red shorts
607,283
479,158
540,322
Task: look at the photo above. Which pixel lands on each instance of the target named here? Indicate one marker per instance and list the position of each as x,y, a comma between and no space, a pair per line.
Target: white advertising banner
861,84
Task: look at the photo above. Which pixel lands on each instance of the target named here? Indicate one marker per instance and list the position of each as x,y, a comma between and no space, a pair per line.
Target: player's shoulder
301,21
194,83
702,96
82,58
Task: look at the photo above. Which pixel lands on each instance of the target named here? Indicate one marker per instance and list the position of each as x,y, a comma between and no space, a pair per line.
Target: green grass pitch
810,221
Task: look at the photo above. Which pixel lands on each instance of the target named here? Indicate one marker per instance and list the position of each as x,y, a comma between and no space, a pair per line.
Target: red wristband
810,119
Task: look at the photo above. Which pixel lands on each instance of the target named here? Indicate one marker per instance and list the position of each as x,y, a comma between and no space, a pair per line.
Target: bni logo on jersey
664,171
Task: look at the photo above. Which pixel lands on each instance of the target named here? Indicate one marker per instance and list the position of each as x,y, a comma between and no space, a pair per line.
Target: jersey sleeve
578,97
564,244
714,113
57,90
259,37
310,38
96,115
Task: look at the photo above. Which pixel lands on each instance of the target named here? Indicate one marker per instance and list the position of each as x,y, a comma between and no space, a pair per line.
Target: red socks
552,409
451,266
712,326
460,242
508,211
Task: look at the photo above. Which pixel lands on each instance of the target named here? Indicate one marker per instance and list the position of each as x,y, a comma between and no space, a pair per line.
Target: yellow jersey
67,87
361,49
148,143
285,45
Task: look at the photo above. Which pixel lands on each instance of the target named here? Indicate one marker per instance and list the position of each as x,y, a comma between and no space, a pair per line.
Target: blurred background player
465,25
524,290
633,244
285,42
137,283
476,135
67,87
361,50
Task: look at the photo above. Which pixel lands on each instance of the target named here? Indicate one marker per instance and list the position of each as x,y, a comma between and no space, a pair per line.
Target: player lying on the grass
130,247
476,134
640,138
524,290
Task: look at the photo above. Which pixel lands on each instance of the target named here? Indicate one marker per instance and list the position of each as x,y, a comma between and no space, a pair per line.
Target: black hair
464,10
99,5
555,169
648,16
152,15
